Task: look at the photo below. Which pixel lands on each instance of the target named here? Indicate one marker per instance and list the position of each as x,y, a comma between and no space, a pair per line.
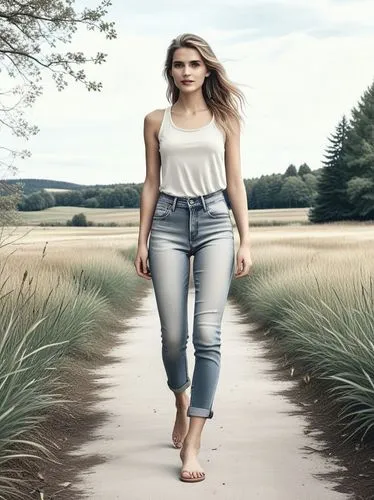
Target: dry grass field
288,262
60,307
312,236
277,225
130,216
121,216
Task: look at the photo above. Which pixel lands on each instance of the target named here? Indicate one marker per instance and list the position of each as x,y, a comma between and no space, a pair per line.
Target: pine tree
291,171
332,203
360,157
304,169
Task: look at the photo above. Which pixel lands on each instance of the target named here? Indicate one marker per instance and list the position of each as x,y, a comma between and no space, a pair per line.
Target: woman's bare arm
150,189
238,199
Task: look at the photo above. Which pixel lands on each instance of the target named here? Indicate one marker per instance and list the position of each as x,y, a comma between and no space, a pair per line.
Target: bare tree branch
29,29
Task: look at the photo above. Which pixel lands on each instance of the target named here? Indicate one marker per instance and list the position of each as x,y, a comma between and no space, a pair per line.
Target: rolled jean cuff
182,388
199,412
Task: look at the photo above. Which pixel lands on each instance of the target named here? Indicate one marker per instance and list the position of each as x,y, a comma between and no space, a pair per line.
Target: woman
195,145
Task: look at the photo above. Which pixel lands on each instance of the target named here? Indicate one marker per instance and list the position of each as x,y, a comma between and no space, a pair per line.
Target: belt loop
174,203
203,202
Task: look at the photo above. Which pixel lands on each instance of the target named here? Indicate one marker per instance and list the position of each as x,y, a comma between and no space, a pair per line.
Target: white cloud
298,87
360,11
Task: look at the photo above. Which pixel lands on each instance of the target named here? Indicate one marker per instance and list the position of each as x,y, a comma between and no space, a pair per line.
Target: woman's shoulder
155,117
153,121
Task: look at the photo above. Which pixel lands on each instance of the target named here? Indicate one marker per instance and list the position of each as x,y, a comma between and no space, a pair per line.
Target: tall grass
319,303
52,307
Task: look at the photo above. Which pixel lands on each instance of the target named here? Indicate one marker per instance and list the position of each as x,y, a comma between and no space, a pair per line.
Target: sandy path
252,448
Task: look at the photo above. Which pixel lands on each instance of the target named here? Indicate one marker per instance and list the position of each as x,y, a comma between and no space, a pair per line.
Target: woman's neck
190,104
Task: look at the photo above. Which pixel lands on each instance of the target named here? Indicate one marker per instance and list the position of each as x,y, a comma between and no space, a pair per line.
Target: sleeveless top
192,160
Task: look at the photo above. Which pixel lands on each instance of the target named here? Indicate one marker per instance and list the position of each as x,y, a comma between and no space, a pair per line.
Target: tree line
294,188
32,185
119,196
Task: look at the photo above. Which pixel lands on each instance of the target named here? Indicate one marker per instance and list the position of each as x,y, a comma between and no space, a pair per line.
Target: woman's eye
178,65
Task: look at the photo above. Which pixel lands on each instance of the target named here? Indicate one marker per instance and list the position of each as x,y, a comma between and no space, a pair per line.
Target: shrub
78,220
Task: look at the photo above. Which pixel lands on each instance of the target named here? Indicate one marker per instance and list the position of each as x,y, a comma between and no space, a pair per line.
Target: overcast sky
301,64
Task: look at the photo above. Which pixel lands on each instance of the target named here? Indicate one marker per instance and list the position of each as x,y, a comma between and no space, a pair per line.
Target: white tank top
192,160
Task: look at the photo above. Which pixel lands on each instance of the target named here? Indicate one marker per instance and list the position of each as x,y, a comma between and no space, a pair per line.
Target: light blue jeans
200,227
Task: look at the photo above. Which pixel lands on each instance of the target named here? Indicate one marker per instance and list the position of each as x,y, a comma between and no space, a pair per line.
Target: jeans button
191,202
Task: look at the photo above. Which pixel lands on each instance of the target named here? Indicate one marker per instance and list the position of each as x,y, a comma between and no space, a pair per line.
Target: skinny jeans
183,227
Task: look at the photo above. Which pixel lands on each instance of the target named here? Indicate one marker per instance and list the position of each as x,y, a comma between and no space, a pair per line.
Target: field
311,287
130,216
121,216
321,237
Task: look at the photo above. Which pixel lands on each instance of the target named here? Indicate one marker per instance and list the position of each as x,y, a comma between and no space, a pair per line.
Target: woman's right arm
150,190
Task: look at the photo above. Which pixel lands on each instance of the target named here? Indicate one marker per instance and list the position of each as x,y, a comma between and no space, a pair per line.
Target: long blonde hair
222,96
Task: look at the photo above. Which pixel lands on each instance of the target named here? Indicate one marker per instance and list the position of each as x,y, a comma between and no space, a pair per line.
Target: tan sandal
191,479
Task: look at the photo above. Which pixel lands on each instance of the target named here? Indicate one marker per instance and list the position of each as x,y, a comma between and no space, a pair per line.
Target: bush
78,220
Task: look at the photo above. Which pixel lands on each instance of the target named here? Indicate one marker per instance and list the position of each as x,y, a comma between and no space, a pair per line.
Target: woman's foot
191,470
181,420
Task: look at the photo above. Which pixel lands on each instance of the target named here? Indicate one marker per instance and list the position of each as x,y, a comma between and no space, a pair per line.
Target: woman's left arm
238,199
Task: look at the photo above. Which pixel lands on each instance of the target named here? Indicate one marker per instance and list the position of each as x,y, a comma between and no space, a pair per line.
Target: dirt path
253,448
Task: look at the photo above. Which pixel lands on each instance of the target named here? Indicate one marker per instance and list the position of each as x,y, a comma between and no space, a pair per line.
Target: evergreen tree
304,169
291,171
332,203
361,194
360,157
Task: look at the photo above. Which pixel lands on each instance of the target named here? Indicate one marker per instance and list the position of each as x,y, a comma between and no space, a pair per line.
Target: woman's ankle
181,401
192,442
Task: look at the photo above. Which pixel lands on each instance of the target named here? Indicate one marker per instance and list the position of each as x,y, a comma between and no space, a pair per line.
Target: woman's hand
243,261
140,262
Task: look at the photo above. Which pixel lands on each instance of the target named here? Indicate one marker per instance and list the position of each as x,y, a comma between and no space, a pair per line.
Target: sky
300,64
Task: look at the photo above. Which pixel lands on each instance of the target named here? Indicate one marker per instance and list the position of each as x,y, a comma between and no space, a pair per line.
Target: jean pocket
218,209
162,210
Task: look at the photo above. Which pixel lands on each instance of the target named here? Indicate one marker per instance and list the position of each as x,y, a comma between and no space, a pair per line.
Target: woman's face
188,69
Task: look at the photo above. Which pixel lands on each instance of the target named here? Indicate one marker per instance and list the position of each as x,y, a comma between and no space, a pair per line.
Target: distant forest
296,187
343,189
